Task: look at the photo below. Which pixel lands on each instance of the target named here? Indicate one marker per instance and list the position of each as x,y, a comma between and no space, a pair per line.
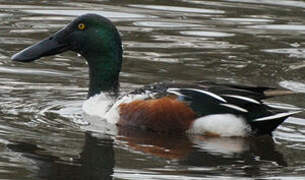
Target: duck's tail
266,124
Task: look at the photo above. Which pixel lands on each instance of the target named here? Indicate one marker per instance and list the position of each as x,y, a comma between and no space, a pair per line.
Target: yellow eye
81,26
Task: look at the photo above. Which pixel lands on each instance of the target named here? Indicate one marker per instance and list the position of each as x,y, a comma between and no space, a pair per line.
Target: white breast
107,108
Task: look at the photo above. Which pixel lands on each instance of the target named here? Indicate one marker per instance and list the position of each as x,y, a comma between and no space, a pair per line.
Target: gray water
42,126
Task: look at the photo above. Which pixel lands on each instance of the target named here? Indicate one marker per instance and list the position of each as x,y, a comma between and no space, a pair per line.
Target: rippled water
44,133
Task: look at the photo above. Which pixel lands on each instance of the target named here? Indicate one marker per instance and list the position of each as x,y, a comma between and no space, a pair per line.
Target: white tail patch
226,125
276,116
242,98
235,107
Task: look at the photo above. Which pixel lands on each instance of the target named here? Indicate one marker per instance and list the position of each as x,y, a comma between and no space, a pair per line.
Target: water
44,133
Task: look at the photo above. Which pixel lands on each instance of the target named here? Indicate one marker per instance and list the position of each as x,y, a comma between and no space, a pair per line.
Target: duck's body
201,108
169,107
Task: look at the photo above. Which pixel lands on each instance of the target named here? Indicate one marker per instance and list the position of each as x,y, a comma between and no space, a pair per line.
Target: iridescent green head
96,39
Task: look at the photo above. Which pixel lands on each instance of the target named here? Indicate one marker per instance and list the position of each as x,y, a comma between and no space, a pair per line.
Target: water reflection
207,33
180,9
285,27
96,161
202,151
99,157
280,2
291,52
167,25
79,12
246,20
159,145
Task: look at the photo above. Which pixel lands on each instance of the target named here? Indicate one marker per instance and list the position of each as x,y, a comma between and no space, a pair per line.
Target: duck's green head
92,36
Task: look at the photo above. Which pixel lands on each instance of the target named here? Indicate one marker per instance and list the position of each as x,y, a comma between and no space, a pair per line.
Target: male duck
204,108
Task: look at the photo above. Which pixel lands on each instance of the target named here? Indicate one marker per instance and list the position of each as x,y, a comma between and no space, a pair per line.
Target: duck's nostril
50,38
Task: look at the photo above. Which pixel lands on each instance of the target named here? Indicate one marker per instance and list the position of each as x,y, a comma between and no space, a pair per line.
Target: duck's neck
104,74
104,58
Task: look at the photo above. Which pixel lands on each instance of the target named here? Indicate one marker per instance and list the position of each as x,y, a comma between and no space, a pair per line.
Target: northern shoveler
201,108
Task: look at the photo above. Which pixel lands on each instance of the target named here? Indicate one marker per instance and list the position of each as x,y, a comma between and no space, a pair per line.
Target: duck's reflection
225,151
99,155
150,143
201,150
97,158
96,161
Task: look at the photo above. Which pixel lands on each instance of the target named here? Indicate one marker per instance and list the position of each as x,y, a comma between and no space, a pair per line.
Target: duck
202,107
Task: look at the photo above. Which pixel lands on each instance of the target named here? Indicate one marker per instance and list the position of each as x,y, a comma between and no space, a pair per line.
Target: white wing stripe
235,107
242,98
215,96
175,91
279,115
